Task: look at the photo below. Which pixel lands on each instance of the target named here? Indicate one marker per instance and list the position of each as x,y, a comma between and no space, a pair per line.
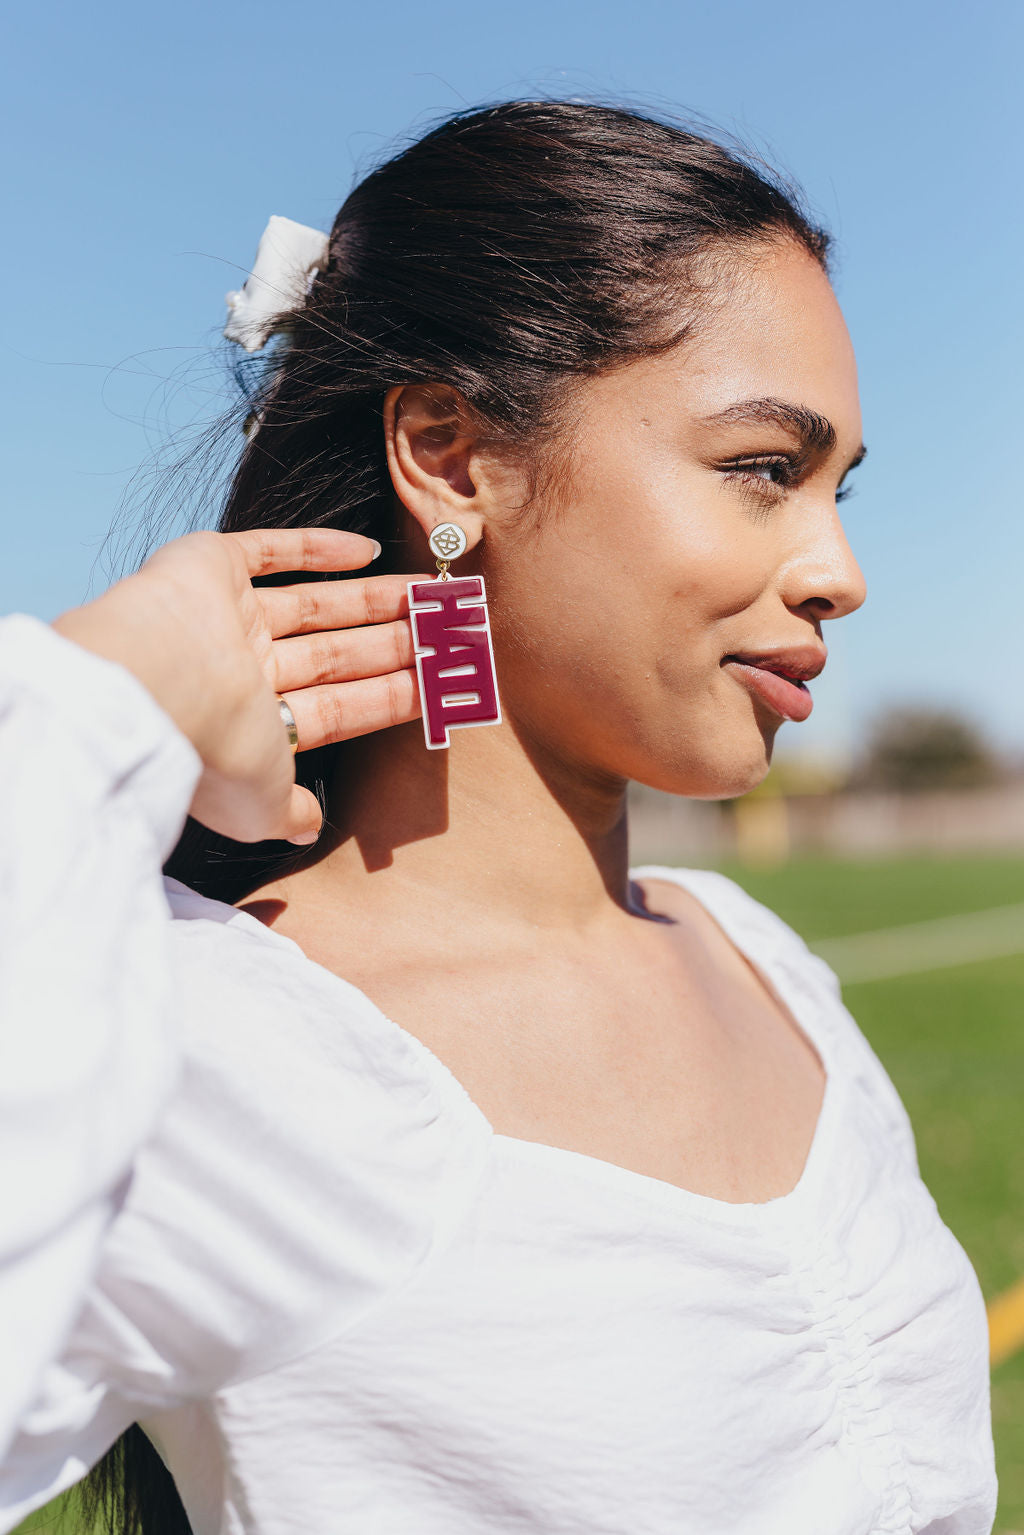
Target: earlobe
430,446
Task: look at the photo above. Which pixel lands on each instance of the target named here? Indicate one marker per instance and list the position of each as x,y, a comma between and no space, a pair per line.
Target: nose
823,576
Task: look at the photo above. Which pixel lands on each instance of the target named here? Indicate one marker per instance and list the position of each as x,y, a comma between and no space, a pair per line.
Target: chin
730,769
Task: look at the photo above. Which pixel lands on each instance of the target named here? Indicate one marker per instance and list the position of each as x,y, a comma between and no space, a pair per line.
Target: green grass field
953,1041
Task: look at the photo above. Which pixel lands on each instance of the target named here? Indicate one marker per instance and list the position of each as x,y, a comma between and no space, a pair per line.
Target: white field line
944,941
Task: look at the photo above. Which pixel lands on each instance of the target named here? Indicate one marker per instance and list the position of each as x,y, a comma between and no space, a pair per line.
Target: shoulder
753,927
804,980
305,1166
253,1006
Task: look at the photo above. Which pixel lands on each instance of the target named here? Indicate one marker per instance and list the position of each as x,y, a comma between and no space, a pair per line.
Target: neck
494,825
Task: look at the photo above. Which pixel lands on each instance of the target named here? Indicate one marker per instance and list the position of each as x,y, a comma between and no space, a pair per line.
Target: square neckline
584,1166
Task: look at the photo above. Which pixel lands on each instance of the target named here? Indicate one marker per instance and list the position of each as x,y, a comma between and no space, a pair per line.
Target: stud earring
452,636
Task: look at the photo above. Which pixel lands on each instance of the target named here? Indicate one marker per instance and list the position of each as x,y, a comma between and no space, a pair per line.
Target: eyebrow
816,432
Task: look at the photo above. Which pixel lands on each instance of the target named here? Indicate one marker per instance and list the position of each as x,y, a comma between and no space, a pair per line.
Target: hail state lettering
454,660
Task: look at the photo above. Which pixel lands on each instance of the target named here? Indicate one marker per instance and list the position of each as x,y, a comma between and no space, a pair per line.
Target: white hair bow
287,260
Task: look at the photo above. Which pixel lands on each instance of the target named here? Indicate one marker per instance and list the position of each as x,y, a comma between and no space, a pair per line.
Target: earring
452,636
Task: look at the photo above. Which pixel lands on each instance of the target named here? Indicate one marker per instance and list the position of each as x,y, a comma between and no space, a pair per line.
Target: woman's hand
214,650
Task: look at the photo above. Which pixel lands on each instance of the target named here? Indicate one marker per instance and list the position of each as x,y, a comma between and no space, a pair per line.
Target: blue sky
147,146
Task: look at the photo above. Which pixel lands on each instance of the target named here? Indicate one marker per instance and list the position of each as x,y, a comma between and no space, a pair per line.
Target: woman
503,1189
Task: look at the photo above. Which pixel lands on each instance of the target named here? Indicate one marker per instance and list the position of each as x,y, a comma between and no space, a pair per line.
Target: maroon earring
452,636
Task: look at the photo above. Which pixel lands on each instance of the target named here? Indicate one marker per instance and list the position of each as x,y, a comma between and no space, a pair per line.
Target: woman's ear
433,457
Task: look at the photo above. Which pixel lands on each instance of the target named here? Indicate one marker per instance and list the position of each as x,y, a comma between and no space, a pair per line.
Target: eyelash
744,472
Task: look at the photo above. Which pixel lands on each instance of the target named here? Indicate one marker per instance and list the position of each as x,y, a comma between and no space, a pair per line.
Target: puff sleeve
95,784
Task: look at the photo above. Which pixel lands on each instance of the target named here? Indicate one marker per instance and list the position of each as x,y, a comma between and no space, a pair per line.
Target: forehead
770,327
774,328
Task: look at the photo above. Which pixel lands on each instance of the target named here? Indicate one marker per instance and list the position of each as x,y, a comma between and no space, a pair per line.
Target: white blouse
337,1300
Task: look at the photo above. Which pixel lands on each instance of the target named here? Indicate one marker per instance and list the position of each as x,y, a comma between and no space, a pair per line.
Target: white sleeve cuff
111,712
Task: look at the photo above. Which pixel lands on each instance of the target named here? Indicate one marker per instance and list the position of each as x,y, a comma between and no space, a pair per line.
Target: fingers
305,819
319,605
248,822
342,655
339,711
269,550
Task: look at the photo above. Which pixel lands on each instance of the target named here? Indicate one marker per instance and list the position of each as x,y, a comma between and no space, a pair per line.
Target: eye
767,473
844,493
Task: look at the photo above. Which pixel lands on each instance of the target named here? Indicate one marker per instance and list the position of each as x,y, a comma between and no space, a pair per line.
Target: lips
779,677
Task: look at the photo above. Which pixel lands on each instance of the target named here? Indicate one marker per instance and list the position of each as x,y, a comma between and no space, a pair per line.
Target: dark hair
507,253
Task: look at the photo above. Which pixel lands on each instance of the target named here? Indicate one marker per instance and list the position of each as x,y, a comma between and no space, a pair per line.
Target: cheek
711,573
618,662
629,593
654,619
678,538
704,549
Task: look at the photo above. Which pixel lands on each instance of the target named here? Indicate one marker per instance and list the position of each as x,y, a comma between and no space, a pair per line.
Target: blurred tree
917,748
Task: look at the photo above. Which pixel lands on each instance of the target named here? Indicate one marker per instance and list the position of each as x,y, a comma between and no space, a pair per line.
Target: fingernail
376,550
307,839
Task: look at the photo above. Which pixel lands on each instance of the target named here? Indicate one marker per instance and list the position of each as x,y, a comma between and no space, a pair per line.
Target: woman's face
642,623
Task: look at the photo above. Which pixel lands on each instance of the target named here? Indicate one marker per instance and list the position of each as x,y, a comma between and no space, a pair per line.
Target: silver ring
289,724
